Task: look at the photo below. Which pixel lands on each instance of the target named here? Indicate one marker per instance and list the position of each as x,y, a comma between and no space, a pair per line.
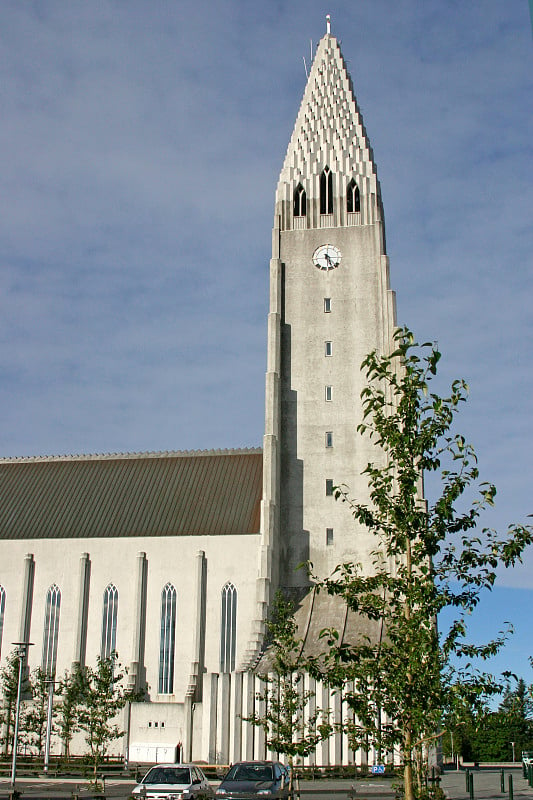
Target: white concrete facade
312,411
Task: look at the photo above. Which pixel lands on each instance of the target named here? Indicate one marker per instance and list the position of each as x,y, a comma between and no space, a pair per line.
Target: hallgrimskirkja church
172,559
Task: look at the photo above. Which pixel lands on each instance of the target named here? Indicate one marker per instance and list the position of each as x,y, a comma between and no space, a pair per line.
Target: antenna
305,67
328,23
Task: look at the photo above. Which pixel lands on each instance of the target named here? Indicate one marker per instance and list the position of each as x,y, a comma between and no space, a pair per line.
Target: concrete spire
329,130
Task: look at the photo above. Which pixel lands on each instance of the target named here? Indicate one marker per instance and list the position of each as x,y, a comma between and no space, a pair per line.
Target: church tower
330,305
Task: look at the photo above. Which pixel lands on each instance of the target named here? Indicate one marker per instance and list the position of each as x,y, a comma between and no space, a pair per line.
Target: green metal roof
208,492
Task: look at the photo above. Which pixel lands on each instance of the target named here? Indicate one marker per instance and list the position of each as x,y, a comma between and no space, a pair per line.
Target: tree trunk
408,765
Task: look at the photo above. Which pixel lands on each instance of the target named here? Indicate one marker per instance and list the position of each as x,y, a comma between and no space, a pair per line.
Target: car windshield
168,775
250,772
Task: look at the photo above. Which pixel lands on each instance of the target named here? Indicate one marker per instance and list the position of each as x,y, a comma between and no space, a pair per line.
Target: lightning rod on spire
328,23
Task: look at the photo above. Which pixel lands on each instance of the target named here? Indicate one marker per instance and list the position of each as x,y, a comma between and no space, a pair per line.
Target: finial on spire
328,23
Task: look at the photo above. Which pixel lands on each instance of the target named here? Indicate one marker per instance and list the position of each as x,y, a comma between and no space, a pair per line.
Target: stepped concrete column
26,607
83,611
136,677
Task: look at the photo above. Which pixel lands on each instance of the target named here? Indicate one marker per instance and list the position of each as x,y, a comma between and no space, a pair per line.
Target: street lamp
22,653
51,683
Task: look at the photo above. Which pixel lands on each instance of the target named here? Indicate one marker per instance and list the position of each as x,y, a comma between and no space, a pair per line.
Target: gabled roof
208,492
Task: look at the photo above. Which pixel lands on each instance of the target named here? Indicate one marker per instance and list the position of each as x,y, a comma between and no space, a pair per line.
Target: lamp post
512,745
51,683
22,653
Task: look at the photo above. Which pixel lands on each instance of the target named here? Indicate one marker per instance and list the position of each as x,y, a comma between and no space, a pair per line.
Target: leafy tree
427,558
8,687
289,728
102,696
36,712
70,692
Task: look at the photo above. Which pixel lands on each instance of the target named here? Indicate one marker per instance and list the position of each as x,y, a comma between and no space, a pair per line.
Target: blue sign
378,769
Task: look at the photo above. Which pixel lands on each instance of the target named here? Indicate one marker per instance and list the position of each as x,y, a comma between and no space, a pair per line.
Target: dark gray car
255,780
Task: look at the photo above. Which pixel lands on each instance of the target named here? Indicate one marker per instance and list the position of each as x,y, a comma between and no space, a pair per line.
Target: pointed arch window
51,629
228,627
109,622
2,609
353,200
167,640
300,201
326,191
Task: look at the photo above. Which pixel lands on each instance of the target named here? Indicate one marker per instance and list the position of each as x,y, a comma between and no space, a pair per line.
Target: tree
8,685
36,713
427,558
102,696
289,728
70,692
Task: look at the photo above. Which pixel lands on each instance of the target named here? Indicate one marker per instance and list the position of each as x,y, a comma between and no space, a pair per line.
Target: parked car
255,779
174,782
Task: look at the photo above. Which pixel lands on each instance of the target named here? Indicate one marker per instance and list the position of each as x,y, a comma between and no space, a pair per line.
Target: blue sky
140,147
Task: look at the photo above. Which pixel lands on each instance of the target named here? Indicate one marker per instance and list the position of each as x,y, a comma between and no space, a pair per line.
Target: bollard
471,787
502,781
467,779
510,787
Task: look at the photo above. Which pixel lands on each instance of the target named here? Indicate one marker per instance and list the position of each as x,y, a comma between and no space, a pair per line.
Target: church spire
329,135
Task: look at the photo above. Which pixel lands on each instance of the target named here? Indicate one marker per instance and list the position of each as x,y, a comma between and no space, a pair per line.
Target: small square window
162,724
329,438
156,724
329,393
149,724
329,536
327,305
329,487
328,348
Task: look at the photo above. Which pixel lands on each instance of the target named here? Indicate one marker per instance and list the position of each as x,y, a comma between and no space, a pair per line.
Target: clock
327,257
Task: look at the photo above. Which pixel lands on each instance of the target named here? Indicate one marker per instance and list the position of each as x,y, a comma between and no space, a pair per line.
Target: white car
174,782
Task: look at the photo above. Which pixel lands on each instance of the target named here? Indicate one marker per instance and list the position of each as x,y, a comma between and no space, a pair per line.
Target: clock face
327,257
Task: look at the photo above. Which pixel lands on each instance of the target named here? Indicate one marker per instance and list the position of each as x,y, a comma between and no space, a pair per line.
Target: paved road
486,787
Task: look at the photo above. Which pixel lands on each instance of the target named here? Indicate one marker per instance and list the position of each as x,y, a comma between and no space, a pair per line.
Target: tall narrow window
328,349
329,438
167,640
300,201
329,487
327,305
329,536
228,628
109,622
326,192
2,609
353,201
329,394
51,629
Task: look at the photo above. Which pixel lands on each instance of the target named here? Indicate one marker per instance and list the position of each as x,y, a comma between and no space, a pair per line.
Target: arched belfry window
353,200
2,609
51,629
167,640
228,627
326,191
300,201
109,621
